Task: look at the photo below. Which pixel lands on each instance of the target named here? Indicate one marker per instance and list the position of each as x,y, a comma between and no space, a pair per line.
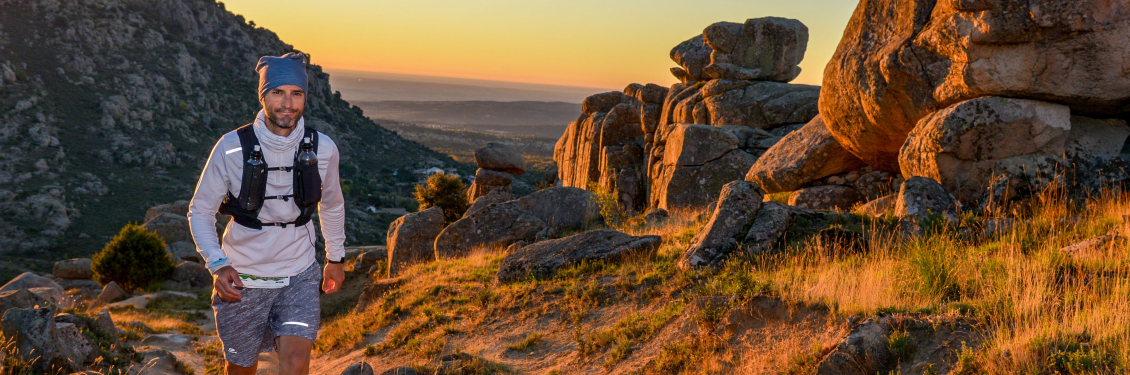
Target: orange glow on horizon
585,43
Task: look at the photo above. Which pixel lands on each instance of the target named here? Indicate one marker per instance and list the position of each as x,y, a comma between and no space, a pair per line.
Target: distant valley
520,118
457,115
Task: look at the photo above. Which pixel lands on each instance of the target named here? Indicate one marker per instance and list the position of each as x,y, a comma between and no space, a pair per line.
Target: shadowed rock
737,207
802,157
544,258
411,238
827,197
965,145
922,199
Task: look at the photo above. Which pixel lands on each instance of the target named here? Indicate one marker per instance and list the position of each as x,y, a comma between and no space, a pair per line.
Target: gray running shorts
249,326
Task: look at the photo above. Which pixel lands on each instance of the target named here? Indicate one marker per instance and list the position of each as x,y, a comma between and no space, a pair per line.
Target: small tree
444,191
135,259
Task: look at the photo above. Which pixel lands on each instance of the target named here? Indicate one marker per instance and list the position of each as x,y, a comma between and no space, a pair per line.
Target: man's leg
233,369
294,355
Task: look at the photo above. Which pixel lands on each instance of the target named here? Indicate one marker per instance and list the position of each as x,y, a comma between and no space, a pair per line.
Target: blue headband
288,69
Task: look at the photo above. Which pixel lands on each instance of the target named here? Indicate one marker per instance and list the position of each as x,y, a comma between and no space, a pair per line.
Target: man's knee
294,351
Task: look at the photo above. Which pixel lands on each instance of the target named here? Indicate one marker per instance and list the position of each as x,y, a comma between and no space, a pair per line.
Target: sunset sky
592,43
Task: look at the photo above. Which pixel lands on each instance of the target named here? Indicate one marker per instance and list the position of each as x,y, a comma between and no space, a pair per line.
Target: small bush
610,208
444,191
135,259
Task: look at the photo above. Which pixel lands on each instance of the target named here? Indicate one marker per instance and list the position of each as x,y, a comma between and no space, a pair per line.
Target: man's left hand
332,277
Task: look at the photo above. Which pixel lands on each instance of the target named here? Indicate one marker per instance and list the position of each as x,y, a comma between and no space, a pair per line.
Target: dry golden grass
159,322
1040,310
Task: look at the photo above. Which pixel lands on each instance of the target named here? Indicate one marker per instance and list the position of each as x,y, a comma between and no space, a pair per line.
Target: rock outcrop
901,60
543,259
497,165
674,148
537,215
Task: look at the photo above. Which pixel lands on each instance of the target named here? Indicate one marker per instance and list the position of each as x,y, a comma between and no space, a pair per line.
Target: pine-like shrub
444,191
135,259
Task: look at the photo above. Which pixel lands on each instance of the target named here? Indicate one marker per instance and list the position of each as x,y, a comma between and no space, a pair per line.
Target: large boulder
170,227
754,104
900,60
763,105
34,339
500,157
562,208
802,157
737,207
411,238
968,144
769,48
544,258
28,280
495,225
697,162
78,268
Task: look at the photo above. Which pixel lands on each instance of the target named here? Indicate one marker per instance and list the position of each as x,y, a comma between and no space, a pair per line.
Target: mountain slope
110,107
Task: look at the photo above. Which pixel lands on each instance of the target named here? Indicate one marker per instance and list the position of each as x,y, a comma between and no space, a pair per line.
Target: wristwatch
339,261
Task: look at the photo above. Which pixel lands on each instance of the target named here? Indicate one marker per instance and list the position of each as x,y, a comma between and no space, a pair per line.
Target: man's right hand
222,282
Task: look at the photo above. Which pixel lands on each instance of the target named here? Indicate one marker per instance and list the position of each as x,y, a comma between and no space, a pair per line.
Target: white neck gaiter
273,142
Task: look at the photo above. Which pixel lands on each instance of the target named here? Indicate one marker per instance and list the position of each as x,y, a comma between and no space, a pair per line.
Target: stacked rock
498,163
674,148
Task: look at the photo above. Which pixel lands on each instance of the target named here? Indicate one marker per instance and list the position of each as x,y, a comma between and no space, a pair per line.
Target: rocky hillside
110,107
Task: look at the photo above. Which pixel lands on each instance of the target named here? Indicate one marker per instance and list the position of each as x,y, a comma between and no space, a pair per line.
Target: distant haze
595,43
356,86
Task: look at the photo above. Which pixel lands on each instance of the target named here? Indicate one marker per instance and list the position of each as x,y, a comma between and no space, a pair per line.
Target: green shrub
135,259
444,191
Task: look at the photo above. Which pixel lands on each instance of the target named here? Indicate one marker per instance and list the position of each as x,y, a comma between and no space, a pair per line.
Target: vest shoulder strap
247,139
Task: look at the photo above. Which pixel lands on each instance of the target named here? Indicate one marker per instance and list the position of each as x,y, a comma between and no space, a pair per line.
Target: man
265,276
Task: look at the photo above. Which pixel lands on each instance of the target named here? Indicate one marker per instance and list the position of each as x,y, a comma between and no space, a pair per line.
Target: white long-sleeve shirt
272,251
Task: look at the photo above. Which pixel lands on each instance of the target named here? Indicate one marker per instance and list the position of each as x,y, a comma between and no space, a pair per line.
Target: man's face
284,105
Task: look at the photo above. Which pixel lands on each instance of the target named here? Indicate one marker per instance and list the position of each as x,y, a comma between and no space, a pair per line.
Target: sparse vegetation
1039,310
530,340
135,259
444,191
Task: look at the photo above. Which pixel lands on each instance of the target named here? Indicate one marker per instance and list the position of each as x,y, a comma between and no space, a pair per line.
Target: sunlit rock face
901,60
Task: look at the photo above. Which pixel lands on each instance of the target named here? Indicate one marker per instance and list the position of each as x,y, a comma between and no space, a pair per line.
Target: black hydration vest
307,185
